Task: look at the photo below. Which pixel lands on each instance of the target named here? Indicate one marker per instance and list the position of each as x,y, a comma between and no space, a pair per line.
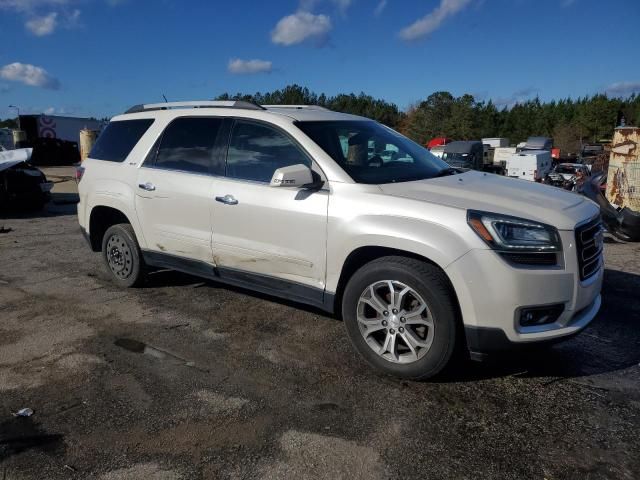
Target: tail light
79,173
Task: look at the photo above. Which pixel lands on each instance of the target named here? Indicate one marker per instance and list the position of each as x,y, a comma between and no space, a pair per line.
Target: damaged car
567,175
22,186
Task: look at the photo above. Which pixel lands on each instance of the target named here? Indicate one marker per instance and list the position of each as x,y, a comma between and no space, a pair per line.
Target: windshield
461,160
372,153
565,169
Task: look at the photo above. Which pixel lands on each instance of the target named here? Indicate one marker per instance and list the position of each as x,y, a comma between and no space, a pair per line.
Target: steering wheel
375,161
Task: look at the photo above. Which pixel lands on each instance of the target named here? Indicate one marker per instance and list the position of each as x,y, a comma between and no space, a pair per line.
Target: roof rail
298,107
195,104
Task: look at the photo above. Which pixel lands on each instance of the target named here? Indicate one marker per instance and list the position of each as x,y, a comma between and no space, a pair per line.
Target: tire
436,327
122,256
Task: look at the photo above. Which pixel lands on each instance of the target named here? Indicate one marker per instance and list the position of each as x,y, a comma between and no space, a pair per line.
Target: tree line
571,122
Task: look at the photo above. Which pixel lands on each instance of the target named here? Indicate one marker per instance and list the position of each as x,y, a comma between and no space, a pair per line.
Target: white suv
343,213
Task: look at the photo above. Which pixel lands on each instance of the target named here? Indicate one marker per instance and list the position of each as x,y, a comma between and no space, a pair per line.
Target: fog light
533,316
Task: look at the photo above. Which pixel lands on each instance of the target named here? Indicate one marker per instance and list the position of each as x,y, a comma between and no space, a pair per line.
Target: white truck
532,165
496,142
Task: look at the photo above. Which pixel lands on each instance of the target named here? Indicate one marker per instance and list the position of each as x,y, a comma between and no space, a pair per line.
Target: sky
99,57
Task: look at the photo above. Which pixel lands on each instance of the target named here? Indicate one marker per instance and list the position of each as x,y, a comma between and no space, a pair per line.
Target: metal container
87,139
623,178
18,137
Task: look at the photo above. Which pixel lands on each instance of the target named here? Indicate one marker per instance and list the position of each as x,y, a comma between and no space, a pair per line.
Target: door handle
149,187
227,200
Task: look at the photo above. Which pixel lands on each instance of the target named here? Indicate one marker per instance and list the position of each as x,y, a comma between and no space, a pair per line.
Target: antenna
165,99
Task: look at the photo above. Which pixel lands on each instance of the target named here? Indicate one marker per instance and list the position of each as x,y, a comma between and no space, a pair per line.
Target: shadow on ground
60,204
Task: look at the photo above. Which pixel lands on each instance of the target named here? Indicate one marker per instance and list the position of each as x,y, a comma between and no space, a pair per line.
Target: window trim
232,124
152,155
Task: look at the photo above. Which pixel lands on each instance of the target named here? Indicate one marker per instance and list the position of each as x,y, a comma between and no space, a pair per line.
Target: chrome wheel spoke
400,298
375,302
390,346
410,344
395,321
415,313
413,341
372,325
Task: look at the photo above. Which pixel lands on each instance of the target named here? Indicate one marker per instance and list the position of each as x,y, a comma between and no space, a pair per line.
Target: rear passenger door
271,232
173,201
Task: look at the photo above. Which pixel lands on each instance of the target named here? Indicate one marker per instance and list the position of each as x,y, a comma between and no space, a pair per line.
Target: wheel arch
362,255
101,217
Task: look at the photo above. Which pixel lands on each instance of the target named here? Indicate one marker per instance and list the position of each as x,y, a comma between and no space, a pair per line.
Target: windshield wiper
447,171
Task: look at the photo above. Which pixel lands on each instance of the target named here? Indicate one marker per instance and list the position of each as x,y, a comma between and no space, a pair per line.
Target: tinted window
188,144
118,139
256,151
372,153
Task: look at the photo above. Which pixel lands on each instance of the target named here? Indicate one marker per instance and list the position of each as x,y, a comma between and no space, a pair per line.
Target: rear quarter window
118,139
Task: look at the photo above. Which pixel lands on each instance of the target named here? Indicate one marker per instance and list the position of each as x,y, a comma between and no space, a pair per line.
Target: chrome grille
589,246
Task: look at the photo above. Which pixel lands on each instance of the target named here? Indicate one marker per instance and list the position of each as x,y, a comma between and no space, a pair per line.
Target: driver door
272,235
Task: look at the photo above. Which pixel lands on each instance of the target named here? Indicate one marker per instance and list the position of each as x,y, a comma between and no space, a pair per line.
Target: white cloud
519,96
380,8
30,5
309,5
432,21
299,27
29,75
623,89
343,5
239,66
41,26
49,111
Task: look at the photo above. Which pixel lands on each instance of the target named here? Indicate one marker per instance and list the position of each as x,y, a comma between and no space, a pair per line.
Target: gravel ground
187,379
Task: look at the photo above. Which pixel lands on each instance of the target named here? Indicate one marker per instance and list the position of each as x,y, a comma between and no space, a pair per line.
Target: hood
498,194
10,158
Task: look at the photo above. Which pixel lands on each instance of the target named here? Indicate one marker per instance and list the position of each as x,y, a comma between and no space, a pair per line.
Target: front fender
436,242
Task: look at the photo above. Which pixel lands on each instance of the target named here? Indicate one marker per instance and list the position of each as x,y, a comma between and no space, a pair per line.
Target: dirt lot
187,379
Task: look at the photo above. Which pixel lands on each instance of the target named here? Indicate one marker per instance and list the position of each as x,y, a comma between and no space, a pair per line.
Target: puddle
21,434
137,346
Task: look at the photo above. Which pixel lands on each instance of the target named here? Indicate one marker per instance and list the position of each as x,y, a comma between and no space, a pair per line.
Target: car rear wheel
122,255
401,316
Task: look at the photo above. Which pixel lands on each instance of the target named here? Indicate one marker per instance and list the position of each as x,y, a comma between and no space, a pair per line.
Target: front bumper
491,291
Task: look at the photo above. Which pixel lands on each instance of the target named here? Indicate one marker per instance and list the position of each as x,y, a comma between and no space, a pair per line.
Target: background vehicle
343,213
496,142
438,141
539,143
566,175
501,155
6,138
532,165
54,139
464,154
22,185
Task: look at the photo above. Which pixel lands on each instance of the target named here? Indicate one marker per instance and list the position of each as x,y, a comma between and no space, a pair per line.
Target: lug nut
401,330
394,311
384,323
402,319
392,331
385,313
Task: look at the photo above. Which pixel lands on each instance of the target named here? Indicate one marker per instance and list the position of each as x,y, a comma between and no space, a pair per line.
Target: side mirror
296,176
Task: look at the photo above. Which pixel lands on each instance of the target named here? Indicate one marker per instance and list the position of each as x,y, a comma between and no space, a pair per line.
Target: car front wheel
401,316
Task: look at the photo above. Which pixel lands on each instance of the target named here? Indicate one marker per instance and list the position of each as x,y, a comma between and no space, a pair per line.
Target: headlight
512,234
